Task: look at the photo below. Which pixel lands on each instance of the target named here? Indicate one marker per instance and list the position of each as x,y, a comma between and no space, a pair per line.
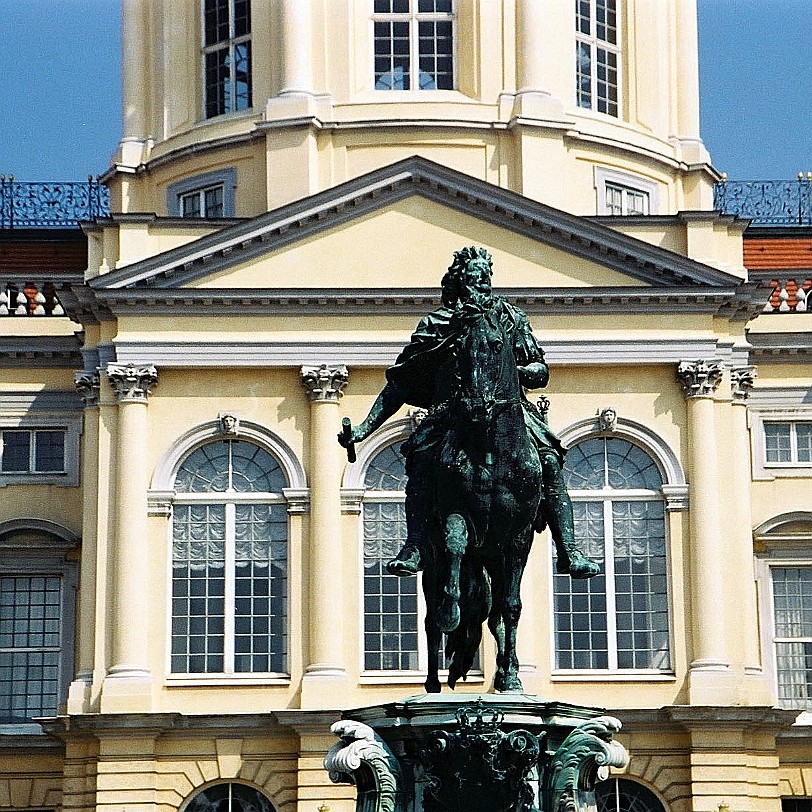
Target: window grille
202,202
623,795
789,442
30,451
226,56
597,56
229,562
229,798
618,620
30,646
792,608
413,44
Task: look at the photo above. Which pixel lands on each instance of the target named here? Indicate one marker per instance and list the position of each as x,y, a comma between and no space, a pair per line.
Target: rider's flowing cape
422,372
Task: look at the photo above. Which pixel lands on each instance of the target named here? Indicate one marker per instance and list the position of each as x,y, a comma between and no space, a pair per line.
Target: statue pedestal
494,752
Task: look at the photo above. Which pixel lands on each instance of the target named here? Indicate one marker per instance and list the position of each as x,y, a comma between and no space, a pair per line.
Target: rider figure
424,376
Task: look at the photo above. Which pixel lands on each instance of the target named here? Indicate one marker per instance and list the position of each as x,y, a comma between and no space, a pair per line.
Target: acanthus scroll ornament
324,383
699,378
132,383
362,758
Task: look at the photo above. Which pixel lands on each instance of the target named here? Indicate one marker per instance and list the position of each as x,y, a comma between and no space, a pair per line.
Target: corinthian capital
132,384
325,382
699,378
87,385
742,380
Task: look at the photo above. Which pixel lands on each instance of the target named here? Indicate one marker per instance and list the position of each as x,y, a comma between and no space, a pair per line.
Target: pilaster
127,686
710,680
756,687
326,670
79,694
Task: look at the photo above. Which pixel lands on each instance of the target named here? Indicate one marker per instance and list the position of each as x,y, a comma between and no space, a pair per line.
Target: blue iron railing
767,202
51,205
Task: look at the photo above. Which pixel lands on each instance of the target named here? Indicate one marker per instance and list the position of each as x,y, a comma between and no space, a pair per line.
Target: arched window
619,619
390,603
622,795
229,561
229,798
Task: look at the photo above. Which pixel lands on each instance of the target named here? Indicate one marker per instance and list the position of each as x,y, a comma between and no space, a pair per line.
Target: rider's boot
409,561
570,560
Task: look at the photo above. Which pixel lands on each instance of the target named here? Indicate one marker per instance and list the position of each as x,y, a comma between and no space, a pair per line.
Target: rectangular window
624,200
202,202
619,618
788,443
226,56
597,56
30,646
792,606
29,451
413,44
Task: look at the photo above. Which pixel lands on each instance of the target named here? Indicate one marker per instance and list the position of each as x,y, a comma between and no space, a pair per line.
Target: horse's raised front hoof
448,616
432,685
582,567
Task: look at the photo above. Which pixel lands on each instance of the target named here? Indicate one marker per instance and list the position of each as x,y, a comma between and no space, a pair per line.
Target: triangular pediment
395,228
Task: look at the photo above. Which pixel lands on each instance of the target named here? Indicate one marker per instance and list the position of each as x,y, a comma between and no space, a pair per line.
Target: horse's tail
463,643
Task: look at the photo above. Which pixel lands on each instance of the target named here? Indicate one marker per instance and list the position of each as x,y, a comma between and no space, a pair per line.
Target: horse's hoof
509,685
448,617
432,686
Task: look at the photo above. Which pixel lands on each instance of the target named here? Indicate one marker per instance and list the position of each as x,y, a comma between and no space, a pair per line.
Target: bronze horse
486,496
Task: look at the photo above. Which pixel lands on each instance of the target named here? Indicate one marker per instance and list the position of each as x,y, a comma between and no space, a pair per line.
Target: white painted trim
163,477
224,352
604,175
69,422
781,406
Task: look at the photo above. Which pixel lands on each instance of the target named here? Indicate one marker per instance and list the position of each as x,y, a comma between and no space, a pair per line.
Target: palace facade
192,580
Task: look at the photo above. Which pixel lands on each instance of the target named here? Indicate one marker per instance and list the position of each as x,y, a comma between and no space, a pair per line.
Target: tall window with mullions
226,56
390,603
618,620
413,43
597,56
229,562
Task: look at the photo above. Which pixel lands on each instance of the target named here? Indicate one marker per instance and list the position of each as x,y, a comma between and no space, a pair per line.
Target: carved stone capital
742,380
87,385
324,383
699,379
131,383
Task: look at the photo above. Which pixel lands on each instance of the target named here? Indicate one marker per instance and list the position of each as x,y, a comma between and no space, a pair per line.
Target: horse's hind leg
456,540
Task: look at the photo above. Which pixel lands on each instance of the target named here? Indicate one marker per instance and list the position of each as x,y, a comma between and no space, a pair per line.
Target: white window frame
228,45
161,498
782,541
395,432
31,549
21,412
199,184
606,177
591,40
785,405
674,495
413,17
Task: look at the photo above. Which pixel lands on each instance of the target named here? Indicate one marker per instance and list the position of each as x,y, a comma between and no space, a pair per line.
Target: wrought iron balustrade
767,202
51,205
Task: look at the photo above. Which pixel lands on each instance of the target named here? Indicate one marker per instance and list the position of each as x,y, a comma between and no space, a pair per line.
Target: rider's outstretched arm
385,405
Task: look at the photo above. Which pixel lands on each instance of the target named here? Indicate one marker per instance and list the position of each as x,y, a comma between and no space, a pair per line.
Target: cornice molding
40,351
225,351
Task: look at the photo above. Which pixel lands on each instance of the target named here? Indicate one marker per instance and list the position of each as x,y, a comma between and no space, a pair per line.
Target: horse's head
485,365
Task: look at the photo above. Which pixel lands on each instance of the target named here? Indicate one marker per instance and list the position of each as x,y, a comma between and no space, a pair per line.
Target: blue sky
60,97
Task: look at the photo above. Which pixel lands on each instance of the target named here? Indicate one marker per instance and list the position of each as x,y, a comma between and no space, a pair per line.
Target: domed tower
233,107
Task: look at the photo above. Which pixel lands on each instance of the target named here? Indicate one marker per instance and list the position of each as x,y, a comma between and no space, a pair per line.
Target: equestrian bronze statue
483,468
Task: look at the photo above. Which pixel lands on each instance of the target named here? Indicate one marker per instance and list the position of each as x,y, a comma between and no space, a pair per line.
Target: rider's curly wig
466,255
